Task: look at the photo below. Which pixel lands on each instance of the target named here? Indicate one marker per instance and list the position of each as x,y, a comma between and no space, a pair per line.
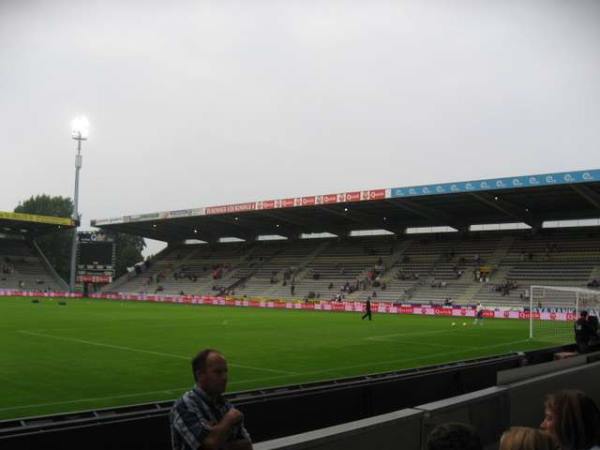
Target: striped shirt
193,416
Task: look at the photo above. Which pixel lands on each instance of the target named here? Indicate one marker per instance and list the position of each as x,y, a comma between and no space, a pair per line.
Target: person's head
583,314
573,419
210,371
453,436
523,438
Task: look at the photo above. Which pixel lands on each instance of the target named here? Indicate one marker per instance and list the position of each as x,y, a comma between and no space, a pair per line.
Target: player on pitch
478,314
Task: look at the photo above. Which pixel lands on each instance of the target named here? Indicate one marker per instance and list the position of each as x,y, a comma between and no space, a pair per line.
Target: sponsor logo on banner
94,278
352,196
378,194
308,201
179,213
329,198
443,311
267,204
287,203
240,207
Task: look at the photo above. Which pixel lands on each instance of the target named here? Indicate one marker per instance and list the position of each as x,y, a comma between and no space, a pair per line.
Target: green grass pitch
94,353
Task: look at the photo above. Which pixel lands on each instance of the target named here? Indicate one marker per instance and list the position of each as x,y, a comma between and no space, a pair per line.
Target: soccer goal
554,308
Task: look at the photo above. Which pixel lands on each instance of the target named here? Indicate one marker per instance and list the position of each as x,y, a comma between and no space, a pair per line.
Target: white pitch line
267,378
91,399
384,337
432,355
150,352
138,394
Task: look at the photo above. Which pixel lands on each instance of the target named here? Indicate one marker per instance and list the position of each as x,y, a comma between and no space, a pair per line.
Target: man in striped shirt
202,418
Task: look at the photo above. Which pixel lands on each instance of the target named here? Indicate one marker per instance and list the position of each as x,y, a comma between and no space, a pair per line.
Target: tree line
57,246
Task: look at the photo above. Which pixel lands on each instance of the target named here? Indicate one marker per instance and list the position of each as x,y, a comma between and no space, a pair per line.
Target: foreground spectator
453,436
202,418
573,419
523,438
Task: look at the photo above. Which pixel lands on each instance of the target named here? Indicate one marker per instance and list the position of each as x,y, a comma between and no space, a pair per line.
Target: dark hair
583,313
199,361
453,436
576,419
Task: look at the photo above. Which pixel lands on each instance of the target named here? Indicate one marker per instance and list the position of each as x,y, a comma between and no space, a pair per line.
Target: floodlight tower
80,130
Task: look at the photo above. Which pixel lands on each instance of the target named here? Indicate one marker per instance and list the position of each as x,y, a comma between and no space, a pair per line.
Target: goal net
553,309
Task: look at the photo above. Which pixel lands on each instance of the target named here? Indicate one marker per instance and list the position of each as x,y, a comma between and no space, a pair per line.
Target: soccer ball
464,324
453,324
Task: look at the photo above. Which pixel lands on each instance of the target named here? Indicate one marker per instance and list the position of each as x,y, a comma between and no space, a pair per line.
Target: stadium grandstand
23,266
432,250
485,240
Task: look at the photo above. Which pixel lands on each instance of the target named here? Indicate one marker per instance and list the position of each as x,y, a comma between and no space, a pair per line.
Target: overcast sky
204,103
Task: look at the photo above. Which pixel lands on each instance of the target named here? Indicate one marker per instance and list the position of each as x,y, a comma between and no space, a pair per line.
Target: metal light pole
79,133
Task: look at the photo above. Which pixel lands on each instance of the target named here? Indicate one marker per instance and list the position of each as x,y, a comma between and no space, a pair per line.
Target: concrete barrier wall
491,411
487,410
527,397
400,429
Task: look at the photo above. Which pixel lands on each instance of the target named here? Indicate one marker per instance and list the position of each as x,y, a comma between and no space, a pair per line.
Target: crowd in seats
571,422
354,268
22,268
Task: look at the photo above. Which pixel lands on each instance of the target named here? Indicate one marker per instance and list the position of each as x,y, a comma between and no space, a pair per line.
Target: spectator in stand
453,436
202,418
523,438
573,420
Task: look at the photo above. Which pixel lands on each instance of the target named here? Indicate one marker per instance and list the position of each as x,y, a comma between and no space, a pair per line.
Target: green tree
57,246
129,251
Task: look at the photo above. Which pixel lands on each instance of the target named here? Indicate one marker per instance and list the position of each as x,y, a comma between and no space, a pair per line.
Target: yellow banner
49,220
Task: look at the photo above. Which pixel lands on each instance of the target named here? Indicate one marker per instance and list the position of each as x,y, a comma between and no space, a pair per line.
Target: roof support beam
511,210
243,229
364,219
429,213
297,225
282,217
588,194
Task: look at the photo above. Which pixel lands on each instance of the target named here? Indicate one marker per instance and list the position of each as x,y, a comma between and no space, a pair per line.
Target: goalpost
560,306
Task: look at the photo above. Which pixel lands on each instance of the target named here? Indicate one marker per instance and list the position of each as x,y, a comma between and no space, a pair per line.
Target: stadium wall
491,411
357,306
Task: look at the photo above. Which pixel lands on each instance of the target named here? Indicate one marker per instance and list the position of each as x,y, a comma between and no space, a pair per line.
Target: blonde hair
523,438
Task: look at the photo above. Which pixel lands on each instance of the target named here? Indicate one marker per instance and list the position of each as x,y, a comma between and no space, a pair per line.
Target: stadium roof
531,199
32,225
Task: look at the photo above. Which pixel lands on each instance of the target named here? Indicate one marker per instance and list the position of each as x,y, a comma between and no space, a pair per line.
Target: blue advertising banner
550,179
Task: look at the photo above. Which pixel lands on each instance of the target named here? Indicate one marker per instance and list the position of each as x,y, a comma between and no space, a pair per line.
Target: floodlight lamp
80,128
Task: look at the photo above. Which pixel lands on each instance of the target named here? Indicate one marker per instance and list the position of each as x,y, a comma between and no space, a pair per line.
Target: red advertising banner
224,209
378,194
309,201
94,278
287,203
329,198
384,308
267,204
351,197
